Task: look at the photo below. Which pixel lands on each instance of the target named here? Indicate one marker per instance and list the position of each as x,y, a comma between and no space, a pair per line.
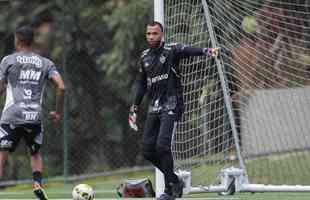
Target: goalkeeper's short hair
154,23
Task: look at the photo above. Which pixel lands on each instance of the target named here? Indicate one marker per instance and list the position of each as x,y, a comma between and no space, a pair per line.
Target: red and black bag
136,188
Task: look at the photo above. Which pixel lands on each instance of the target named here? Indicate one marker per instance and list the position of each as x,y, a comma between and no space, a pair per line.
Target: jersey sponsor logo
35,60
30,116
27,94
159,78
33,105
32,76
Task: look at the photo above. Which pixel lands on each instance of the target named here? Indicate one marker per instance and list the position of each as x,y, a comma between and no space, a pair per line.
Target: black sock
37,177
167,168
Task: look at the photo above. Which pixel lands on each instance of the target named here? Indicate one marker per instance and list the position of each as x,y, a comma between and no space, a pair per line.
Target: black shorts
158,131
10,135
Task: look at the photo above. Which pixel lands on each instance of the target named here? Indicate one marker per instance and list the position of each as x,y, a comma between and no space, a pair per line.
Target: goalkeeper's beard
155,44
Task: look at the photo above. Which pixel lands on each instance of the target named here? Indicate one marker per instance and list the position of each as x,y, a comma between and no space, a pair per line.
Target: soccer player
24,75
159,77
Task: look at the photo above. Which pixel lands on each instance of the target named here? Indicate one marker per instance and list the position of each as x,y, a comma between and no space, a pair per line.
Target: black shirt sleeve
184,51
140,86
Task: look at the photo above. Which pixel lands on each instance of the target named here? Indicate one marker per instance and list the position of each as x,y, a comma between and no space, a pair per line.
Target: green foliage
127,24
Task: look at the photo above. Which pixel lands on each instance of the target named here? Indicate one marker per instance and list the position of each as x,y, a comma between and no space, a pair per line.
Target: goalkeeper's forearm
139,93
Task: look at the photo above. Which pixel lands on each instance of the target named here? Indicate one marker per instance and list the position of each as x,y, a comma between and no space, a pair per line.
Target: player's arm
2,86
139,92
184,51
60,93
3,69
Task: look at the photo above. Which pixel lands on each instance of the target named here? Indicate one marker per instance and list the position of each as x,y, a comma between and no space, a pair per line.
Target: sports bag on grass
136,188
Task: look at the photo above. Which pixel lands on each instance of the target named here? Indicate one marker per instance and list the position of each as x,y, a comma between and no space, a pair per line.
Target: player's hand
132,119
212,52
55,117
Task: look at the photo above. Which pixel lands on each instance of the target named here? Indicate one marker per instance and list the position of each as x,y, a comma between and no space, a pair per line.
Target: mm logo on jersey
30,116
30,75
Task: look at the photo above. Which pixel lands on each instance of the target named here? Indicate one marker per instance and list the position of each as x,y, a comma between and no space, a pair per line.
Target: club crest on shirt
146,64
162,59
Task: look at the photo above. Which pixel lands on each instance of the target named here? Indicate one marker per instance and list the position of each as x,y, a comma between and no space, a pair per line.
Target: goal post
245,127
159,17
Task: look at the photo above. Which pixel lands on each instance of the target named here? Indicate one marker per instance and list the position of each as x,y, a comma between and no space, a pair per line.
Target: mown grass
105,187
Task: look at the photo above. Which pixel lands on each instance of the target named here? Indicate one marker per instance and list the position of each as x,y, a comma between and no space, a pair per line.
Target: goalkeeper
24,75
159,77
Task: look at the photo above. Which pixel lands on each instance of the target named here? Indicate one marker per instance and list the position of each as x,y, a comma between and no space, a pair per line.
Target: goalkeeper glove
212,52
132,119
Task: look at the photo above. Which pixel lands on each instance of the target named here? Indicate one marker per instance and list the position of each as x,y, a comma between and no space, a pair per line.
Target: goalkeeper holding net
159,77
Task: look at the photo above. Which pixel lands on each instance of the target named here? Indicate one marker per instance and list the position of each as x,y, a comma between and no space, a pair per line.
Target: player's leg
3,159
33,135
37,166
173,186
36,162
9,139
150,134
150,138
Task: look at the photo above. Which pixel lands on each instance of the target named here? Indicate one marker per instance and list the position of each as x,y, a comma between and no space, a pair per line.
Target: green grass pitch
105,188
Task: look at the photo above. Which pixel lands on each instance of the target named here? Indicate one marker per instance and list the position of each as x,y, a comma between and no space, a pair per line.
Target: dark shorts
10,136
158,131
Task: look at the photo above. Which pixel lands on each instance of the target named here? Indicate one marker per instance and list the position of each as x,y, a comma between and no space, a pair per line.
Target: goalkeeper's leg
173,185
150,135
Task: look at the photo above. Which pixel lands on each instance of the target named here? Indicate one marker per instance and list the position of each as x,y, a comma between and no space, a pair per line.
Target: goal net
249,108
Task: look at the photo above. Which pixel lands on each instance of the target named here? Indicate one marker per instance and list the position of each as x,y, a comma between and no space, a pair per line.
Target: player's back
25,75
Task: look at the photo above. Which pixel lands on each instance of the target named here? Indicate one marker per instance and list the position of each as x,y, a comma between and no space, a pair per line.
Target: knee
34,150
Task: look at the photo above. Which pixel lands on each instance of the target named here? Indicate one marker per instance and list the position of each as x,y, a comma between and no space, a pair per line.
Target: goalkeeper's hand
212,52
132,119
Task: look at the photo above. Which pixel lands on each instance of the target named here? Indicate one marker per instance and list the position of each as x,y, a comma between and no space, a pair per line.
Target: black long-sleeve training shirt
159,76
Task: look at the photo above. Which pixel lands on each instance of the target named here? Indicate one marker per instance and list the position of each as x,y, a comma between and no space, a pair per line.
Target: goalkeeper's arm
184,51
140,90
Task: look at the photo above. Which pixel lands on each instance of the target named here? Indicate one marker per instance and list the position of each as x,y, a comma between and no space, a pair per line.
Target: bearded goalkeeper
159,77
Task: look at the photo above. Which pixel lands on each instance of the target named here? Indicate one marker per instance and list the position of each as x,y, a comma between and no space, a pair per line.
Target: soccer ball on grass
83,192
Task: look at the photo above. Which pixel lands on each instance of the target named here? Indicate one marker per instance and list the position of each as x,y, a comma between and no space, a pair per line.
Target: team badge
162,59
146,64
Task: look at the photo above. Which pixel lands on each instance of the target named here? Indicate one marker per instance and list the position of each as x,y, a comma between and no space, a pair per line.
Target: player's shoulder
7,58
144,52
45,61
172,45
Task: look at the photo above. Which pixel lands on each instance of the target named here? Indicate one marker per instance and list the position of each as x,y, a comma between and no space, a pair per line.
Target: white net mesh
266,64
